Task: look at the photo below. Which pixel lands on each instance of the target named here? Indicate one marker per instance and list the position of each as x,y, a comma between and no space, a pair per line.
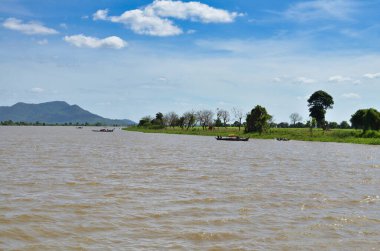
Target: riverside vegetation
259,124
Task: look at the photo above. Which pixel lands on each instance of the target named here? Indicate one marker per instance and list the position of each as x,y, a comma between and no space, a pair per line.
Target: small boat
104,130
232,138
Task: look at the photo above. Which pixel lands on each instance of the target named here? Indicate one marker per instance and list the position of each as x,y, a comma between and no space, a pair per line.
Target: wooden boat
232,138
104,130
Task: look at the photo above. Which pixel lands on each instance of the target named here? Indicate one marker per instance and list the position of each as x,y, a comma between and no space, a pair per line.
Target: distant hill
55,112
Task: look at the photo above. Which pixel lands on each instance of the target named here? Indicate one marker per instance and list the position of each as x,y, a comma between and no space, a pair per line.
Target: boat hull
232,138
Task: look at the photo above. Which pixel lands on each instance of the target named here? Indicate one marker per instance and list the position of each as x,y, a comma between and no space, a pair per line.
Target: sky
126,59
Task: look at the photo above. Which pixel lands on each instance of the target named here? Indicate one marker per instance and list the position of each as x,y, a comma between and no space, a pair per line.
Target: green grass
303,134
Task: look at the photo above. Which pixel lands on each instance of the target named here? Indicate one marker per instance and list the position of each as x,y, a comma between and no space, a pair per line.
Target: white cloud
321,9
194,11
339,79
93,42
303,80
43,42
141,23
372,75
37,90
153,19
100,15
351,95
31,28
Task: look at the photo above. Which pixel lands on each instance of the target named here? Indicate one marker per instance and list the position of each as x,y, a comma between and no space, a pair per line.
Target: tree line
259,120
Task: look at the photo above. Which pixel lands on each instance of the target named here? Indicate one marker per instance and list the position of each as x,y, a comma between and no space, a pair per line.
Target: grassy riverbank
303,134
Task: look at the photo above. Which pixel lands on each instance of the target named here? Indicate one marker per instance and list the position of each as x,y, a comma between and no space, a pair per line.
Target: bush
370,134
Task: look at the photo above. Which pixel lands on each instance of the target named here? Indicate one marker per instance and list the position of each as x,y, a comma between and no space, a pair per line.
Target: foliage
257,120
333,125
366,119
171,119
189,119
344,125
145,121
318,103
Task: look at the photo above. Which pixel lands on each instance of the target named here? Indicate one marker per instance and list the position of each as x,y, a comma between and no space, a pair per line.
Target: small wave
370,199
207,236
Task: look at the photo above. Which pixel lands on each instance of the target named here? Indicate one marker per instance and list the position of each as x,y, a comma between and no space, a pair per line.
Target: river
63,188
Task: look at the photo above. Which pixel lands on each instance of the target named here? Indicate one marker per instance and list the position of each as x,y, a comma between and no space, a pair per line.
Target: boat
232,138
104,130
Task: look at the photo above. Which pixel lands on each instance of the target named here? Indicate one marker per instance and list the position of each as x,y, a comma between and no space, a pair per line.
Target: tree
181,122
344,125
205,118
189,119
312,123
366,119
333,125
257,120
171,119
283,125
238,115
224,115
144,121
159,120
294,118
319,102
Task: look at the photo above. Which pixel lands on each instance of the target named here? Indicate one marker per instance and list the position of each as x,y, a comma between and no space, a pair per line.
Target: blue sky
128,59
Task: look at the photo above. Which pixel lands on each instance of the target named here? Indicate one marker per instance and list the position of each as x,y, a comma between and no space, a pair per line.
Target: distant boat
232,138
104,130
79,127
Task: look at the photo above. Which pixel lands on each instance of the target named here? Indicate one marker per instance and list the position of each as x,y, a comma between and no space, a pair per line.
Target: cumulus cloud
141,23
339,79
93,42
351,95
321,9
153,19
100,15
31,28
372,75
194,11
303,80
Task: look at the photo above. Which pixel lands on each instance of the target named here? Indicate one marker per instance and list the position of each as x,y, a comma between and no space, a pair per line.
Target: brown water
63,188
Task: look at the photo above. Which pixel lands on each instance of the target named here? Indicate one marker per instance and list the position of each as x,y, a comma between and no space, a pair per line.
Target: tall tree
257,120
224,115
189,119
294,118
238,115
171,119
319,102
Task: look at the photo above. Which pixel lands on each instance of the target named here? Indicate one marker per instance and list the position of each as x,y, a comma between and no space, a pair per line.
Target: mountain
55,112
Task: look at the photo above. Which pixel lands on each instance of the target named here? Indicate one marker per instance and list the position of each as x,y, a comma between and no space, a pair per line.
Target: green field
303,134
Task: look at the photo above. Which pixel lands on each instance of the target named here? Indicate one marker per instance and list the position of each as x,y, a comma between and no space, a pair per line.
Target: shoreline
350,136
